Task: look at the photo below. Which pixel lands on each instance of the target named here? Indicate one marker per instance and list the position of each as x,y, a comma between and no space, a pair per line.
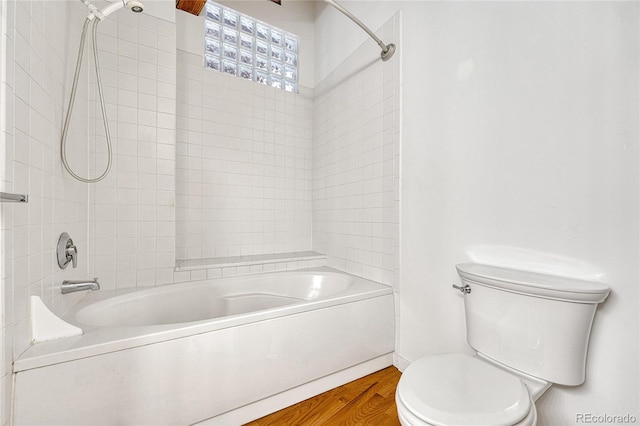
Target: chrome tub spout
70,286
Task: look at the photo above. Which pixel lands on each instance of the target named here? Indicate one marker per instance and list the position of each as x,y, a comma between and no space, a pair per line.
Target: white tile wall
355,163
56,202
211,268
39,47
132,211
243,165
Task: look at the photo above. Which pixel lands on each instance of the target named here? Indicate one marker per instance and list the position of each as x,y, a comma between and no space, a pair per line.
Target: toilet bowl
458,389
529,331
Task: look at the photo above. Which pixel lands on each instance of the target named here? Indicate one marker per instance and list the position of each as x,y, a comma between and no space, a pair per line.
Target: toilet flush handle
464,289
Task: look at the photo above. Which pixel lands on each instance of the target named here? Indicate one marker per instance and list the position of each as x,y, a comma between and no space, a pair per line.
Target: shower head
135,6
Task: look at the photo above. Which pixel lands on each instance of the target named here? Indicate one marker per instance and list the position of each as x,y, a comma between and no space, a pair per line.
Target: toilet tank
535,323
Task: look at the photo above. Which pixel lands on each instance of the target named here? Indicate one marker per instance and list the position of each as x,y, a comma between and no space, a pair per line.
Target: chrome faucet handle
464,289
67,252
72,252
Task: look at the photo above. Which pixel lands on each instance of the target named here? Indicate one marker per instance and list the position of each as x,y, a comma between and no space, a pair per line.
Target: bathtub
215,352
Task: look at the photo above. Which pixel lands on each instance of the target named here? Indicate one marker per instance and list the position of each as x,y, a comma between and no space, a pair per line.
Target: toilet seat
408,419
458,389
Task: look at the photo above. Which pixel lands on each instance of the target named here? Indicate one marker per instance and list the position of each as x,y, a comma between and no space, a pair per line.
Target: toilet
529,331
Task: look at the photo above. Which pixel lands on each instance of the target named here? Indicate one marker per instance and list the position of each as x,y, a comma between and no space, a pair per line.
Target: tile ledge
256,259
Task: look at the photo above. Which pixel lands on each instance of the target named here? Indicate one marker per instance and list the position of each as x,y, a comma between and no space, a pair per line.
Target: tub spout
69,286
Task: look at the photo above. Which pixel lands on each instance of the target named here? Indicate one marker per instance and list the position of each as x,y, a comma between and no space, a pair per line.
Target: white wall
244,150
132,216
337,36
520,147
40,40
356,163
243,165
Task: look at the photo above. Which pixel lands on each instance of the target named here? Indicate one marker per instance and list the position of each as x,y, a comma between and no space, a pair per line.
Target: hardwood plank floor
366,401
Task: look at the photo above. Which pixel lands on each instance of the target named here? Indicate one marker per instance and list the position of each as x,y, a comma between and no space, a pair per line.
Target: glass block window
240,45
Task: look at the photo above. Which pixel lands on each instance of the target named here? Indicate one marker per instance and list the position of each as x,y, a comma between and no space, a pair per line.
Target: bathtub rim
101,340
112,298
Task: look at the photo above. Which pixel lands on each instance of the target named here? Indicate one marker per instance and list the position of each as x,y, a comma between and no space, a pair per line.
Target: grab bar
5,197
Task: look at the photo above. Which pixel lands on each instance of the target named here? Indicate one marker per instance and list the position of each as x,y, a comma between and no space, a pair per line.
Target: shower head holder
134,5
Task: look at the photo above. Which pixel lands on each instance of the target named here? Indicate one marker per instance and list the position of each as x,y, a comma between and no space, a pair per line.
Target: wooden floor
366,401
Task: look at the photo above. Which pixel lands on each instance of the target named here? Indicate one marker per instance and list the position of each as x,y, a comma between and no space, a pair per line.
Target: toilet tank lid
535,283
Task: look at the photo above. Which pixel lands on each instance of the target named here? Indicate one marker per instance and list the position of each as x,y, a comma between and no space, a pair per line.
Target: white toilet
530,330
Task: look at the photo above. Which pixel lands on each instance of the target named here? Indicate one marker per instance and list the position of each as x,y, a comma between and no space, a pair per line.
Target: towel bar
13,198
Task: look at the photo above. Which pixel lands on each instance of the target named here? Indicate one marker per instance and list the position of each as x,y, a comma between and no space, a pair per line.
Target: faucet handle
67,252
72,253
466,289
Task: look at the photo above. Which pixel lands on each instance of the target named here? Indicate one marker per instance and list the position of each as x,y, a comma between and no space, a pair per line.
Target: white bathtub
220,352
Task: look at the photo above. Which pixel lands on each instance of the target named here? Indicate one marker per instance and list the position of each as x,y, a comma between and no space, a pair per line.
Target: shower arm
387,49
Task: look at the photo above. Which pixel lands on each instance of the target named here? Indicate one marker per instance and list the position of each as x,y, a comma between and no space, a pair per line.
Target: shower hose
63,144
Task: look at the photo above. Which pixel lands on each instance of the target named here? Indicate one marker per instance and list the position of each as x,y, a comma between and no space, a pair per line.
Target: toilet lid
457,389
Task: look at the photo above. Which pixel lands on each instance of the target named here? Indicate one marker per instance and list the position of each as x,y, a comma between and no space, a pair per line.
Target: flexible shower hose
72,98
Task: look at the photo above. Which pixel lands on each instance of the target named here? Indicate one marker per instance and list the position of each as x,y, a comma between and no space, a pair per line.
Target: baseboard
400,363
